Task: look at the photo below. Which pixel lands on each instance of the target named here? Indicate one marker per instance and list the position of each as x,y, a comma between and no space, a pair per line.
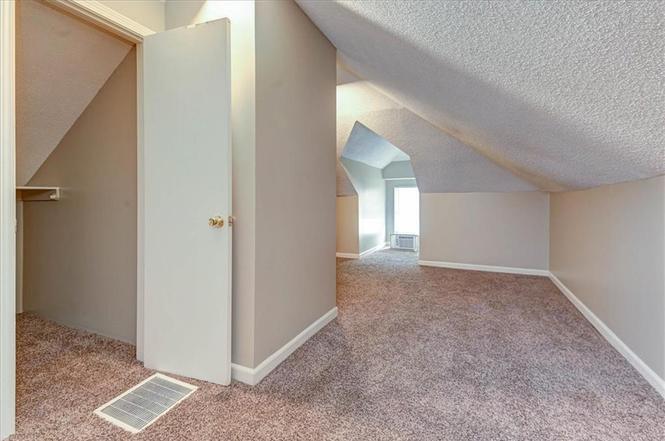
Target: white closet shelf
38,193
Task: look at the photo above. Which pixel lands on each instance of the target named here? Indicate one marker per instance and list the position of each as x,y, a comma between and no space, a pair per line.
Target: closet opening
76,204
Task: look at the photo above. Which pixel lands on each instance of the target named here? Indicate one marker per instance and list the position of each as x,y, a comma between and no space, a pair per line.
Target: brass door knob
216,222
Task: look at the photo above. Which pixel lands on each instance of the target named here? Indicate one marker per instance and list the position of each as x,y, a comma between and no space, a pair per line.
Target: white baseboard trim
374,250
243,374
254,376
364,253
652,378
488,268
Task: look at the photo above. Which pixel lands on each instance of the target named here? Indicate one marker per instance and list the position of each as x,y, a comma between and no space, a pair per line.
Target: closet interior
76,175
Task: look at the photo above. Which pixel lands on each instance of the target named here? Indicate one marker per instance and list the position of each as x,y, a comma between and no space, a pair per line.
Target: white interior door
187,181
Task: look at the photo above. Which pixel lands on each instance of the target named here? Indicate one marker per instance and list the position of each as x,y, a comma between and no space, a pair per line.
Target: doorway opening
76,202
378,202
85,188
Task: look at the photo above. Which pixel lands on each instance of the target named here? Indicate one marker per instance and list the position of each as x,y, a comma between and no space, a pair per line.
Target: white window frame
394,196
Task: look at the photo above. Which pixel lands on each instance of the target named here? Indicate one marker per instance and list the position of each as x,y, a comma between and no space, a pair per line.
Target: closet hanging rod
29,193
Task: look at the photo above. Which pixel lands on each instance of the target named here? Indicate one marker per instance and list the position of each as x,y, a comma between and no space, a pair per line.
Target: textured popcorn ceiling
61,63
440,163
564,94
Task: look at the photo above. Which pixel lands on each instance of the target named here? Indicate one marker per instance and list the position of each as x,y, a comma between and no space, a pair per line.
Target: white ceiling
367,147
61,63
440,163
564,94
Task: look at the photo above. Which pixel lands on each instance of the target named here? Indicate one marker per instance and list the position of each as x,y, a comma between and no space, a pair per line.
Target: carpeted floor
415,354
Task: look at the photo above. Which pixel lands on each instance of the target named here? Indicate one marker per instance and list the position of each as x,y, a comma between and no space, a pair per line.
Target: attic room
339,220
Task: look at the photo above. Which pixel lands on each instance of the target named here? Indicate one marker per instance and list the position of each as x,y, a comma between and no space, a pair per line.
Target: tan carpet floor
415,354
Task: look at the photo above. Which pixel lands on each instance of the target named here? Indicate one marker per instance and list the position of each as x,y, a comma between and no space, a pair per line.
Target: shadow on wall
370,187
488,119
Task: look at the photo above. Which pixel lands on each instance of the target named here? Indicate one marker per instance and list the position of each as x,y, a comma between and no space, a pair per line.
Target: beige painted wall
150,13
80,252
347,224
242,16
501,229
295,175
608,248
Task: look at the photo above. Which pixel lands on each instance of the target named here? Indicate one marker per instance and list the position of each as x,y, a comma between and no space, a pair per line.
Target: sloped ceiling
441,163
61,64
367,147
564,94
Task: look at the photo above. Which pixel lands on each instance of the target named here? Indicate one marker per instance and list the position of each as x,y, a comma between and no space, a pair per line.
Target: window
407,210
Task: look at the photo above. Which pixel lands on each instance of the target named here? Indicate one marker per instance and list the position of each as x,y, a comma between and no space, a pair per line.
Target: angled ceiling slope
61,64
568,94
441,163
363,145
